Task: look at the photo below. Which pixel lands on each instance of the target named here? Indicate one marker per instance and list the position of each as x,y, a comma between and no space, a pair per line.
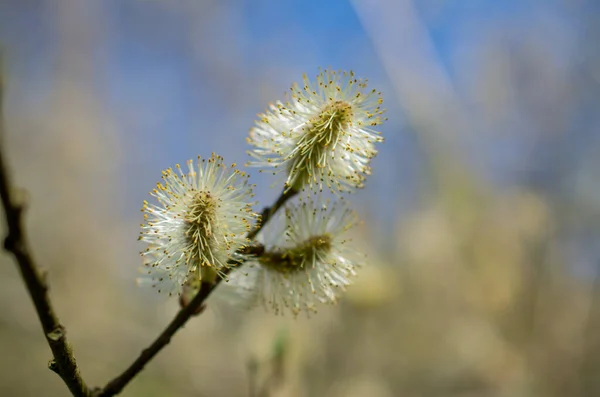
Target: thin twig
64,362
116,385
16,243
268,212
277,370
252,366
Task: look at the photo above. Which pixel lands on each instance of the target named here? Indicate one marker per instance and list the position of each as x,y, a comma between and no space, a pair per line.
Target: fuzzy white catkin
322,136
201,219
309,259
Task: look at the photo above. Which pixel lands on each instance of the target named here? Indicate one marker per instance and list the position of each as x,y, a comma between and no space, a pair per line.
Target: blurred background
482,216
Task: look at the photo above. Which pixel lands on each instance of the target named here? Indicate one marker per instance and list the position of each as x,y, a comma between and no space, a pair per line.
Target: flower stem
116,385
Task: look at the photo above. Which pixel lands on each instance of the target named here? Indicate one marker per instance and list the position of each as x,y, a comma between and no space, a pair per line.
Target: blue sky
171,103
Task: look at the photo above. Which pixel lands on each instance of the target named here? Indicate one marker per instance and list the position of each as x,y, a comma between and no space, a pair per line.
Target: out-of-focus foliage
482,216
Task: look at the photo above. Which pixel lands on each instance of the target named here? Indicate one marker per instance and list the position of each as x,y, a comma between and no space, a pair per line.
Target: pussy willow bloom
201,219
309,262
322,135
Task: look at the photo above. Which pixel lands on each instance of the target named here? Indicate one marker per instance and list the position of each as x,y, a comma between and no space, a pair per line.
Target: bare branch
16,243
116,385
268,212
64,362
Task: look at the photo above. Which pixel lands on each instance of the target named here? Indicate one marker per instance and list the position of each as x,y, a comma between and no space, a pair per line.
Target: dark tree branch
16,243
268,212
116,385
194,307
64,362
